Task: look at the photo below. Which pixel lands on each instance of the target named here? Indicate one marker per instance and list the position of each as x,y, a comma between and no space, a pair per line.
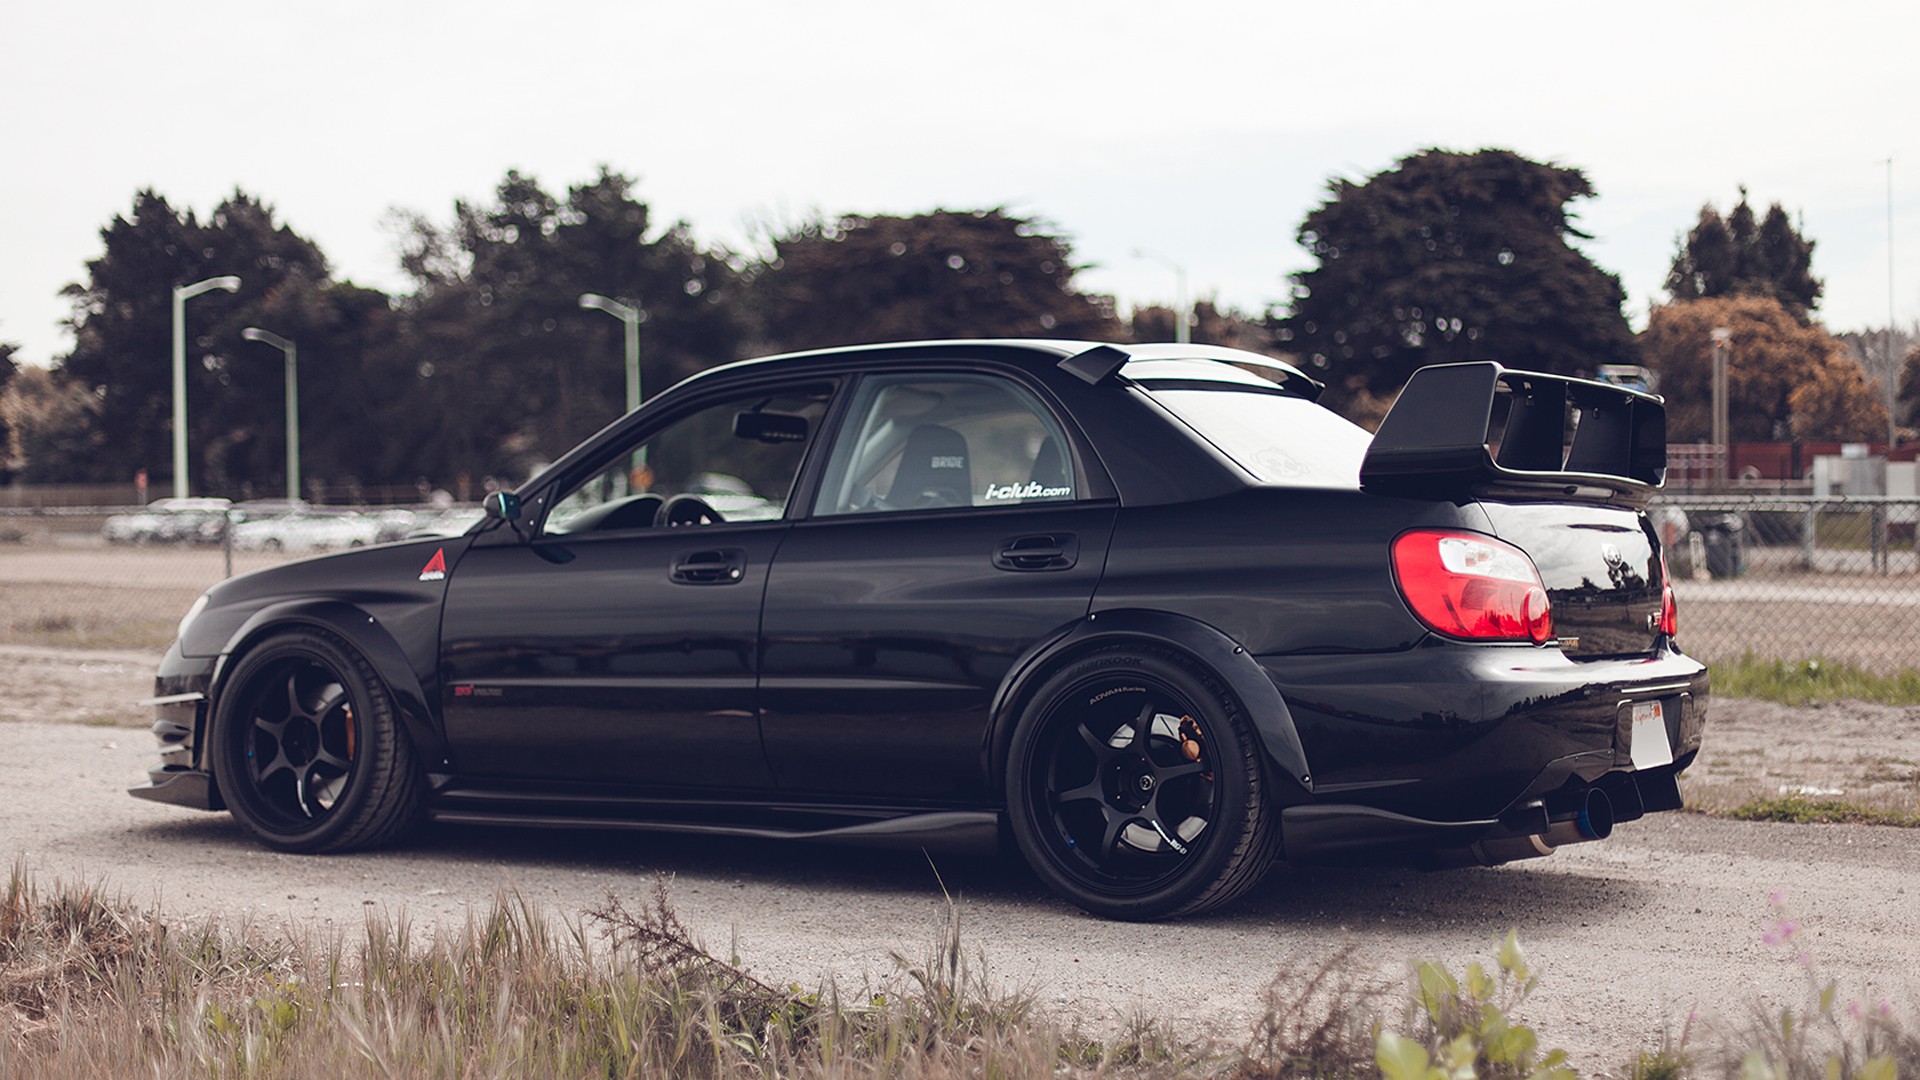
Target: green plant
1469,1031
1802,682
1799,810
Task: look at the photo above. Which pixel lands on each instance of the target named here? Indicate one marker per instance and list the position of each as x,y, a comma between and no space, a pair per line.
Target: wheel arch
1196,642
365,634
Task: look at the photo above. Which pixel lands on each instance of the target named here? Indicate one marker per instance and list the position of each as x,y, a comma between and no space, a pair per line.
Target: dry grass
91,986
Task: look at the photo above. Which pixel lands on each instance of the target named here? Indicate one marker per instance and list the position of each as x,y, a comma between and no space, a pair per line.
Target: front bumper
180,724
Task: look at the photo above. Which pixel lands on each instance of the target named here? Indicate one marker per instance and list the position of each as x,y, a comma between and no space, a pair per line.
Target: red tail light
1467,585
1669,614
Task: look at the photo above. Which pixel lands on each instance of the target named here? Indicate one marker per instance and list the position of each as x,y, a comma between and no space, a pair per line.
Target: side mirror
502,506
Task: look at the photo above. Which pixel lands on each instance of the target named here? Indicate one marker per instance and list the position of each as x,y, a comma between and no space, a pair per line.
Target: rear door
950,535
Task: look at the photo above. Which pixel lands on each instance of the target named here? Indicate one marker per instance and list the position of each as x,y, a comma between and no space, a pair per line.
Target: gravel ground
1629,935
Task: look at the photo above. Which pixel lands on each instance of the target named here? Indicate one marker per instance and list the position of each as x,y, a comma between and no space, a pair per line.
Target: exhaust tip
1590,817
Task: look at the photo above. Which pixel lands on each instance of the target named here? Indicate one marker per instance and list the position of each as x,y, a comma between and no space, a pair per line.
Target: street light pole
631,317
1181,333
1722,337
254,333
182,294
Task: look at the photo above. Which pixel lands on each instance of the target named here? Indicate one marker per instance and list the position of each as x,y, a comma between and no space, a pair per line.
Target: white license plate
1649,743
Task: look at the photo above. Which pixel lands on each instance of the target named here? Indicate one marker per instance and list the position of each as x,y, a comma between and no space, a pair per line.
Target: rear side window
1278,438
924,442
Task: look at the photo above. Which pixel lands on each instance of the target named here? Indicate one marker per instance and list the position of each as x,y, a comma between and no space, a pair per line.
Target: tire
338,773
1176,828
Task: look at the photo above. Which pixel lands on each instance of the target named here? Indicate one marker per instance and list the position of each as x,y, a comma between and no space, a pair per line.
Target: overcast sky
1201,131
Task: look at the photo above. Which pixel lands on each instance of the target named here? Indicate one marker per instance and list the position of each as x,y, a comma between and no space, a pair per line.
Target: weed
1802,682
1800,810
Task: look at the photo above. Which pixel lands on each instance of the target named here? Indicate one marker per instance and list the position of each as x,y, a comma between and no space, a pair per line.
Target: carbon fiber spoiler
1439,438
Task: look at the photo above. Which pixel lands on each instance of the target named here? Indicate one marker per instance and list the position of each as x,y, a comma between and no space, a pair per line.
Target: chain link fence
121,577
1781,577
1789,577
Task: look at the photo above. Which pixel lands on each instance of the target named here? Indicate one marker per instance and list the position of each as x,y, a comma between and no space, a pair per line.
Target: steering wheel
686,509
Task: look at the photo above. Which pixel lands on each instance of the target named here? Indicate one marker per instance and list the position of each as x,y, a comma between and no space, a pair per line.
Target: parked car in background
306,530
265,509
169,521
1148,611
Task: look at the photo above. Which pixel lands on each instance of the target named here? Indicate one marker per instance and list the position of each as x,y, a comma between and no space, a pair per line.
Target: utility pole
1893,362
1722,452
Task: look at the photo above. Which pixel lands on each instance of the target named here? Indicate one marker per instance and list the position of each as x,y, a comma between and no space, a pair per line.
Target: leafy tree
1446,257
1784,379
8,454
946,273
1837,402
1886,355
1732,256
1212,325
50,421
495,338
122,323
1908,397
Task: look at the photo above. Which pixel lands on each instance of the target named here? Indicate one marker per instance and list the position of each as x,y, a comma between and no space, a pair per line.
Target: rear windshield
1279,438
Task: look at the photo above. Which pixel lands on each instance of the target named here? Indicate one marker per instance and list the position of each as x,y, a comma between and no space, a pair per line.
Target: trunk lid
1601,569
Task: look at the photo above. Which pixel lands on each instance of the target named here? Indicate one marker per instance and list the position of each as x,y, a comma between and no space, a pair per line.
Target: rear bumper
1335,832
1446,739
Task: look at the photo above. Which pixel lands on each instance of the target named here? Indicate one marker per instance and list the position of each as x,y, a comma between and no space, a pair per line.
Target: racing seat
933,470
1049,466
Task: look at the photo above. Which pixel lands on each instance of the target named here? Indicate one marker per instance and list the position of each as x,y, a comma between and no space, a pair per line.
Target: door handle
1041,551
719,566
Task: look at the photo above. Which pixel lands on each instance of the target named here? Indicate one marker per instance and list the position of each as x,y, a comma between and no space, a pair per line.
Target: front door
618,644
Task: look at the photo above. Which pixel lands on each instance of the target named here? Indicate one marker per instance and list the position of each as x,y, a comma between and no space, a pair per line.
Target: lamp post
631,317
1181,334
182,294
254,333
1722,336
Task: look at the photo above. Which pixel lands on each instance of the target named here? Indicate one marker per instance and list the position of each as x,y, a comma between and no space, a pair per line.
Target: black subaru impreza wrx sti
1148,610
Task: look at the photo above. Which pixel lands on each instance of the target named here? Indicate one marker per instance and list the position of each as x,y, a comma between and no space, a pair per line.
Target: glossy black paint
859,678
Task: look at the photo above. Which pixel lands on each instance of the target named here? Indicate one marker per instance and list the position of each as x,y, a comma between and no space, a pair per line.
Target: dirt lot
1630,934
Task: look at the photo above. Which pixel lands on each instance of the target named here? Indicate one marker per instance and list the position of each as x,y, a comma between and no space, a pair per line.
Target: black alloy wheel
306,747
1135,789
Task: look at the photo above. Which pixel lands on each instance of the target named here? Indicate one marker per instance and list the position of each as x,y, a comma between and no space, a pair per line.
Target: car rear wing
1569,438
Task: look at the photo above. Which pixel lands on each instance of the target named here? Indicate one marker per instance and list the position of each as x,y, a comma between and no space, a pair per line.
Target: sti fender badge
436,568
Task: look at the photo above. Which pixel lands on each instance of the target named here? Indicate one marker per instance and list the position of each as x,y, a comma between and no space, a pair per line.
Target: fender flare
1200,642
365,633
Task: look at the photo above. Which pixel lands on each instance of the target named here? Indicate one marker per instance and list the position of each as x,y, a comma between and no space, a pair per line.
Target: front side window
920,442
735,461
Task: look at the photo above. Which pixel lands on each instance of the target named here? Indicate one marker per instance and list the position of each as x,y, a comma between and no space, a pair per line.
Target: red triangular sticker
436,567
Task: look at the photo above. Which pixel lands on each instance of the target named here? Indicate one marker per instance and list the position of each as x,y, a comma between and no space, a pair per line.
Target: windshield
1278,438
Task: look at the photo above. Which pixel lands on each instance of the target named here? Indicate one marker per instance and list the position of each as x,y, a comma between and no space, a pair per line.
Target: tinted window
741,457
1278,438
914,442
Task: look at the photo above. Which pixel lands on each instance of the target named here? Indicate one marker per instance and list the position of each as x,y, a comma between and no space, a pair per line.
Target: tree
1446,257
1909,388
1838,403
50,421
946,273
1784,379
8,453
122,323
1733,257
1212,325
494,335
